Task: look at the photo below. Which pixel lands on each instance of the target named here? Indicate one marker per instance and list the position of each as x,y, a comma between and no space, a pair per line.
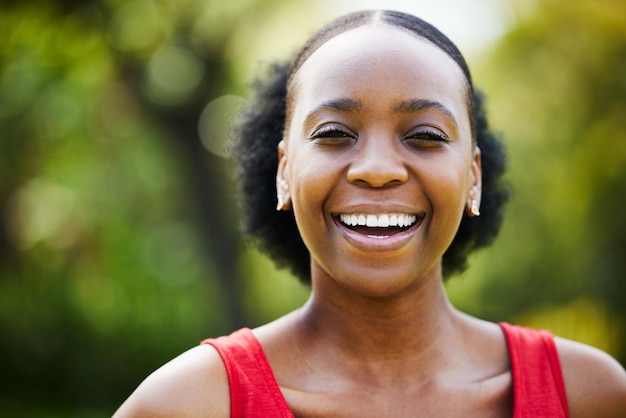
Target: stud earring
474,208
281,205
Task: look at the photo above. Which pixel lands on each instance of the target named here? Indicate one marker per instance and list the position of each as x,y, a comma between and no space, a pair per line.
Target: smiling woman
374,143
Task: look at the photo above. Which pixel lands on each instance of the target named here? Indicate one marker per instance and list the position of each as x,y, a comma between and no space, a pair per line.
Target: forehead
384,61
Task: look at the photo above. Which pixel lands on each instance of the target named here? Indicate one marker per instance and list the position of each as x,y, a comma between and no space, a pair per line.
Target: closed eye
426,138
332,136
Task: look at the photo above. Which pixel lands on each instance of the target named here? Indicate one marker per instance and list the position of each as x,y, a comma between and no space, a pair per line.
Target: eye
332,135
426,137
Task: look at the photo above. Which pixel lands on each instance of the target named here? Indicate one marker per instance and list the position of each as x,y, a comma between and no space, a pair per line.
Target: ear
282,176
474,194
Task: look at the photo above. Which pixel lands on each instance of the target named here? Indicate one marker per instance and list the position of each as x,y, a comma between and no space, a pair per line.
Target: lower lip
378,243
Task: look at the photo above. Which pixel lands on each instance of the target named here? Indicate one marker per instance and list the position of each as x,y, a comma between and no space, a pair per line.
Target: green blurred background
118,237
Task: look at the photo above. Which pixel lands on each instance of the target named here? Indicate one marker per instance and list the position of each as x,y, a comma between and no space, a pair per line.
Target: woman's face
378,160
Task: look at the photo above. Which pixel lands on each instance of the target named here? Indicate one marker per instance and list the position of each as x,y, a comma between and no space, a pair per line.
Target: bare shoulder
193,384
595,382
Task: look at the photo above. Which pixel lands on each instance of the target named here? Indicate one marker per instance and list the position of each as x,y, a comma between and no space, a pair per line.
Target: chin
380,282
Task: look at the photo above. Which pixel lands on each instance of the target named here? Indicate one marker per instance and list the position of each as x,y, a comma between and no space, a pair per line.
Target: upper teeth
378,221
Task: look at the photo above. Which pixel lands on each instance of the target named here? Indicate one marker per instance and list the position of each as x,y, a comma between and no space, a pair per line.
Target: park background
119,245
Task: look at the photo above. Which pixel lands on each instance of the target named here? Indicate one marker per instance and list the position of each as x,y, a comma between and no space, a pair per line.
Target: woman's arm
595,382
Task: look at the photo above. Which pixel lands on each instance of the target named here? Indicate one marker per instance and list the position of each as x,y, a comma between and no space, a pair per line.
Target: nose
377,163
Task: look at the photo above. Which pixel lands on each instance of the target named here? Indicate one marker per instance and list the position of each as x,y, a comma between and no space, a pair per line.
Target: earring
281,204
474,208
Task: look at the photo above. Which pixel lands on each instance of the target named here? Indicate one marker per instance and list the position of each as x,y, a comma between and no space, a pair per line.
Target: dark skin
379,126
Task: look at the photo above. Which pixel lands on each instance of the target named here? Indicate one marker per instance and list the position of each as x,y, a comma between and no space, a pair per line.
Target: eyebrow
343,105
416,105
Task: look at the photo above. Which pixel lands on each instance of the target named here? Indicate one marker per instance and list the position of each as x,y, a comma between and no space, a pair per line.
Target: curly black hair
260,127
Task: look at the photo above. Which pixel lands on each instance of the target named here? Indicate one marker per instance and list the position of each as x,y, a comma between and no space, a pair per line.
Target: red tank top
537,381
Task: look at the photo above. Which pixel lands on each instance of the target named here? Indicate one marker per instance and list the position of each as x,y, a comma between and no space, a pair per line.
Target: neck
417,324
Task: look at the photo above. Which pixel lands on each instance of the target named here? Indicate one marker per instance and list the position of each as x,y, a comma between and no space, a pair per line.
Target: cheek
308,199
311,182
446,184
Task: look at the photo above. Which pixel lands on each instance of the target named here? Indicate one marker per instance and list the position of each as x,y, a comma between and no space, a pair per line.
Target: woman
374,145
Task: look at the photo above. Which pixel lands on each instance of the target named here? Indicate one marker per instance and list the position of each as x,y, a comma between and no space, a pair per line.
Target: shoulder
194,384
594,381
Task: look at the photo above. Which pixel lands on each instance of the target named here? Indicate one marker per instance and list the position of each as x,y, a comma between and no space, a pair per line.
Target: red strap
539,390
254,392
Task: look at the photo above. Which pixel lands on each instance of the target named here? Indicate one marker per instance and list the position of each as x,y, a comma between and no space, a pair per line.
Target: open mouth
379,225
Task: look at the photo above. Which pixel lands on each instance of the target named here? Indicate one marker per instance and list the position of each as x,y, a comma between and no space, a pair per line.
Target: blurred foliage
118,242
118,245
